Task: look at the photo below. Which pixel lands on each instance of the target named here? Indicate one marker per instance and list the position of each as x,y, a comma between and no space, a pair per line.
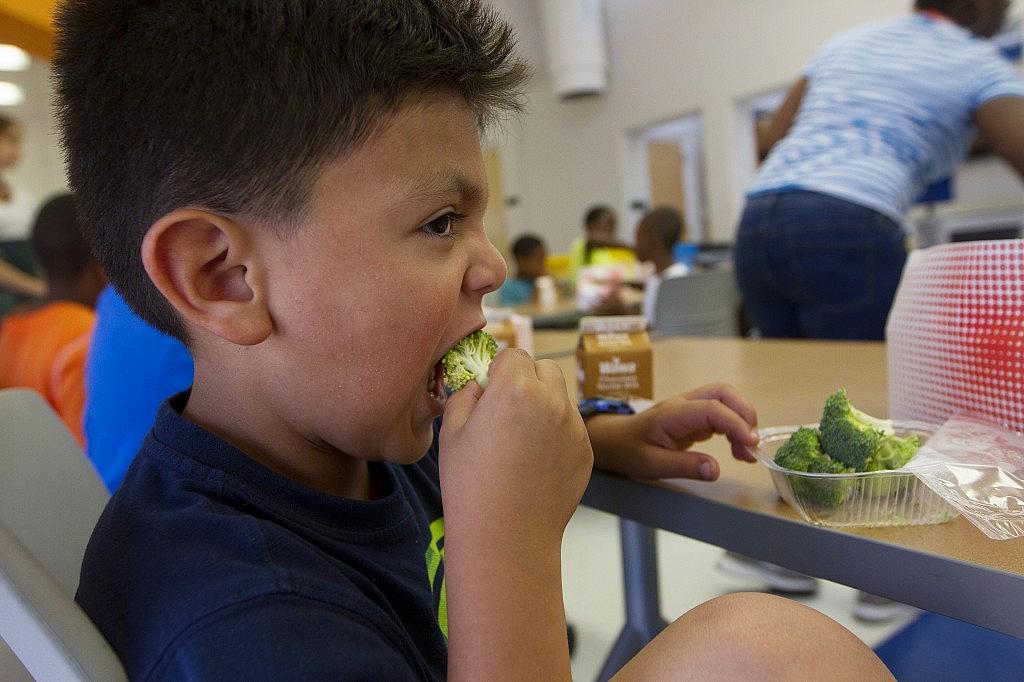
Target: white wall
41,170
668,58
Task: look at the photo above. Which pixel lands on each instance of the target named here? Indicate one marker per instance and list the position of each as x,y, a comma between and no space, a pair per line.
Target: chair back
699,304
46,630
50,500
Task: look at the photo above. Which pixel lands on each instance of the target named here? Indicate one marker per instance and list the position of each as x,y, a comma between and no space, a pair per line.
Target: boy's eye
442,225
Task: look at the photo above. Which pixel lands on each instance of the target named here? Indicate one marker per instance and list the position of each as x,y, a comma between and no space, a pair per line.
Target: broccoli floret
469,359
802,448
802,452
892,453
849,435
824,492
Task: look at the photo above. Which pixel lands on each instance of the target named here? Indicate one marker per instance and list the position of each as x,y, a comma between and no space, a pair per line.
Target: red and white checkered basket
955,335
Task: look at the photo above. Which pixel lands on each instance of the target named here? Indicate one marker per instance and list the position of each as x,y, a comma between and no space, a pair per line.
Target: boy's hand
514,462
516,455
656,443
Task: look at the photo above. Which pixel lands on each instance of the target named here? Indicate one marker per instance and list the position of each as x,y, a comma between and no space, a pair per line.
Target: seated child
43,344
296,191
529,254
599,231
656,237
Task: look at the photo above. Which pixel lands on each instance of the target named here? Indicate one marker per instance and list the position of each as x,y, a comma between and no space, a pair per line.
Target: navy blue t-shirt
207,565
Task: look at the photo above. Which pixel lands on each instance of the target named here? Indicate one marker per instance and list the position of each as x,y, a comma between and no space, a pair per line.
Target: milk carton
614,358
510,330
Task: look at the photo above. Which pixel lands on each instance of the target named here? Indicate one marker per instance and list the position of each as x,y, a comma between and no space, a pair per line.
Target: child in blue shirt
529,254
132,368
295,190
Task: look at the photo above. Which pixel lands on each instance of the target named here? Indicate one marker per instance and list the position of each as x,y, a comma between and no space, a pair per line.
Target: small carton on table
614,358
510,330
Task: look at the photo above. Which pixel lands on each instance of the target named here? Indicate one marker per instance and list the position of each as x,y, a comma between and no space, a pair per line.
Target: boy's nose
486,271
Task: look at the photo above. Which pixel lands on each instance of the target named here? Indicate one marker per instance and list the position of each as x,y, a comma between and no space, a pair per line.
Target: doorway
665,167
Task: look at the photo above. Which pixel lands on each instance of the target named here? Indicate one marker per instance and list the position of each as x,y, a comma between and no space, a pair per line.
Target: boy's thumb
460,405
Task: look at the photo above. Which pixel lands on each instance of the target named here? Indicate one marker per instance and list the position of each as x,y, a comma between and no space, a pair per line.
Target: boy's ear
207,267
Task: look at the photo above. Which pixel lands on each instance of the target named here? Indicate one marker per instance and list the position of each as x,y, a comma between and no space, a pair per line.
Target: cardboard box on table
614,358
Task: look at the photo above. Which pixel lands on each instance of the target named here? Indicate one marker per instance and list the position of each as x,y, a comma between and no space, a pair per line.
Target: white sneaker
776,578
871,608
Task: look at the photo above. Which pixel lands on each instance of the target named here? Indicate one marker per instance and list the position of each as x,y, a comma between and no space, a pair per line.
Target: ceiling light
10,94
13,58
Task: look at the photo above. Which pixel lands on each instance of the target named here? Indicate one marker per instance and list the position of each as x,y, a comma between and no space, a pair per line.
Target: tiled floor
593,587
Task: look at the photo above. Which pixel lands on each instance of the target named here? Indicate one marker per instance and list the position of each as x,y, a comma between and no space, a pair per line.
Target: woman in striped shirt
879,114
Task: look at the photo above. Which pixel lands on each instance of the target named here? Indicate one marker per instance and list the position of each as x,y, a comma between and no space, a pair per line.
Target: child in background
131,370
656,237
529,254
284,517
599,231
43,345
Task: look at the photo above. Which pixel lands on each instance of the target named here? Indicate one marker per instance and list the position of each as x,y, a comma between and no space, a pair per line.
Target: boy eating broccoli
294,188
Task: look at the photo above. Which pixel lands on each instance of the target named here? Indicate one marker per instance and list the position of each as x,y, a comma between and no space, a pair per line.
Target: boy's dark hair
526,246
236,105
665,224
595,213
5,123
58,242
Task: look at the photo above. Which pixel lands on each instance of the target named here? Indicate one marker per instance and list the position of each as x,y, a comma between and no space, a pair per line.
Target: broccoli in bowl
842,468
802,452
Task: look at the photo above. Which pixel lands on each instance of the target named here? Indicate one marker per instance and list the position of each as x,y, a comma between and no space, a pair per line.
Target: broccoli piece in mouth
802,452
468,360
849,435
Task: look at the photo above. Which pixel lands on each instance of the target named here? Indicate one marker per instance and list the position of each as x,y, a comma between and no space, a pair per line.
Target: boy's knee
761,635
772,633
749,616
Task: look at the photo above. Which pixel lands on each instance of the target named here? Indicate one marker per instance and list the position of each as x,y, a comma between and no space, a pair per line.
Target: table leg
640,590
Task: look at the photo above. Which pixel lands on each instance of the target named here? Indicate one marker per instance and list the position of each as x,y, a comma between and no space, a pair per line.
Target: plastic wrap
978,468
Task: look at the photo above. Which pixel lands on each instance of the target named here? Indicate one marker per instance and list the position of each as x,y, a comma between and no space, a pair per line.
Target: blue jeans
814,266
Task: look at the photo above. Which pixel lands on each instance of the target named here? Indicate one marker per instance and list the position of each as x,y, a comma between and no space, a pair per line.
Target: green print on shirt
435,573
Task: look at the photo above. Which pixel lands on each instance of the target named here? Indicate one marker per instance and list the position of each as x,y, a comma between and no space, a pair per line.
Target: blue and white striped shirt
887,111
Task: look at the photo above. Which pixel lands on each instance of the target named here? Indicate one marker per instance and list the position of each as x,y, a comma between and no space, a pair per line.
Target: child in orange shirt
43,344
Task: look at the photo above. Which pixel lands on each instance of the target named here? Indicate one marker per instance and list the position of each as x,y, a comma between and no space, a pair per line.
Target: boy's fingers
548,373
702,415
672,464
730,397
511,361
460,405
700,436
742,452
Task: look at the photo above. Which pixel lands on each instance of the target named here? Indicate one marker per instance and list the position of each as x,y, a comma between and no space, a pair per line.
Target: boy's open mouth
435,386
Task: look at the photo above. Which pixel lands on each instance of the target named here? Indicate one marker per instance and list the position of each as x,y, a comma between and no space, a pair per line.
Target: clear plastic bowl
877,498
